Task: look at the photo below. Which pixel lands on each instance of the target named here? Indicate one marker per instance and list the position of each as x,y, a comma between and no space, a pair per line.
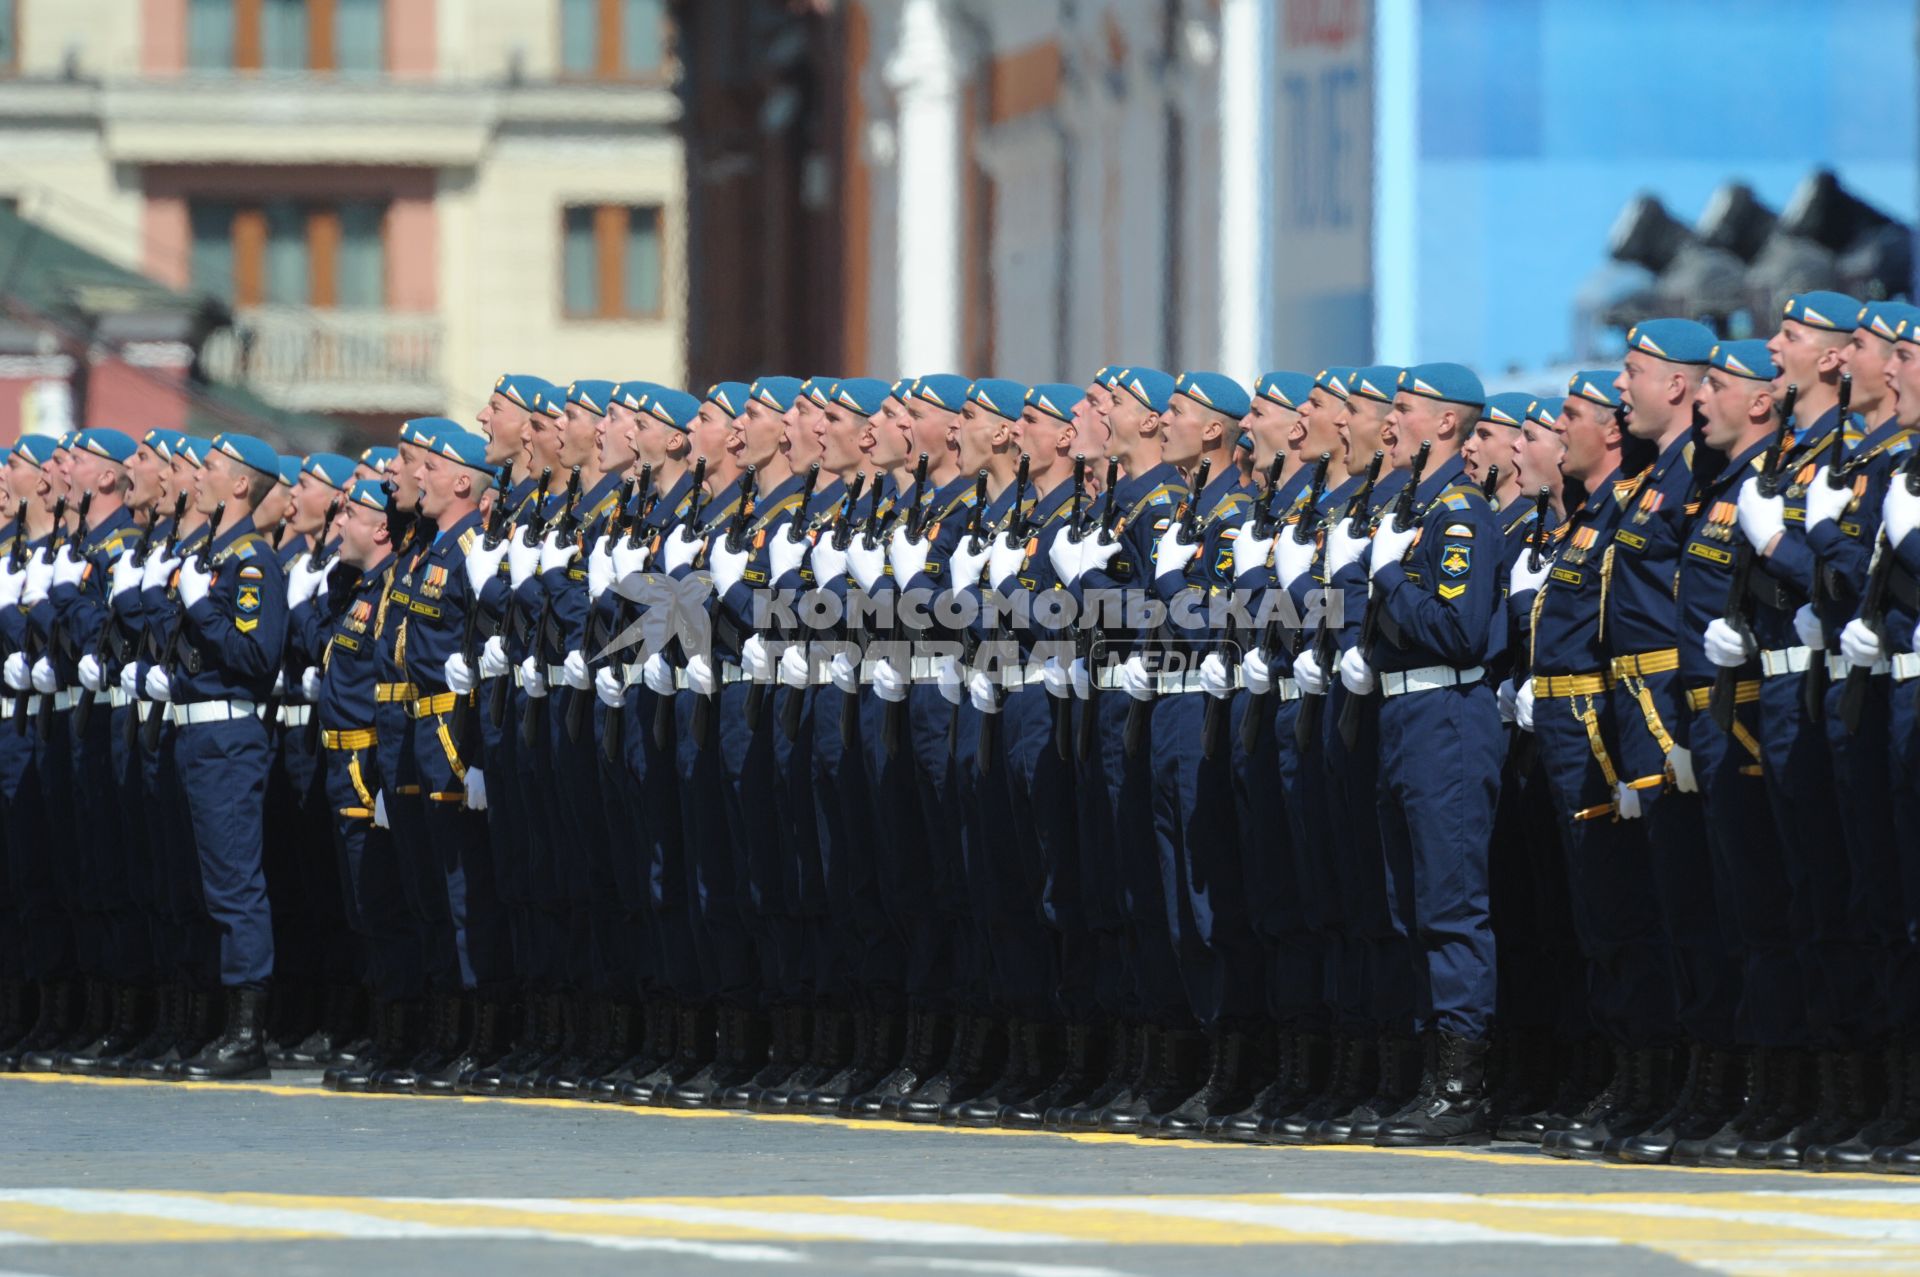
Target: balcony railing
313,360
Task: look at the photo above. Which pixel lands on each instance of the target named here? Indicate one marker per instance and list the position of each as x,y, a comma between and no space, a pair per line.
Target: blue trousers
1270,864
904,873
457,885
1043,869
1379,964
1877,918
223,772
371,866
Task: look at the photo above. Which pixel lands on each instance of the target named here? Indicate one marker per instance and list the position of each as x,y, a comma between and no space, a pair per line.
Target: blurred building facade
392,201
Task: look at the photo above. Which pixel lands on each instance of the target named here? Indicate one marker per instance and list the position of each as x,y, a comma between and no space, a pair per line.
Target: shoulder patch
252,572
467,539
1461,529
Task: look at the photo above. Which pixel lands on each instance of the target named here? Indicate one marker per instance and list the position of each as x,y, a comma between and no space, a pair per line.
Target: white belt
1026,677
295,715
1287,689
519,676
730,674
1785,660
924,669
1430,679
630,674
117,699
144,709
556,676
67,697
1906,665
212,712
6,706
1838,667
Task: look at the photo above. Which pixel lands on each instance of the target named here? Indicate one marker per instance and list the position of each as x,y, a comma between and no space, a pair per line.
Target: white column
1396,153
924,74
1244,241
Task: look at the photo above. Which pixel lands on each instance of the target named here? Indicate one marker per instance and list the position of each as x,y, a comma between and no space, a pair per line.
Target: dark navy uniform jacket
1706,566
1565,612
1445,597
342,631
427,603
240,628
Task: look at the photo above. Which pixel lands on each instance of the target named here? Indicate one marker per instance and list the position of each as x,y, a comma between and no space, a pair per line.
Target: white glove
1525,580
982,692
611,687
476,789
1726,647
19,672
1860,645
130,679
574,669
657,675
680,548
969,563
194,583
380,811
786,553
458,673
39,579
154,576
908,556
533,678
279,683
947,677
1094,553
1054,677
1504,697
310,682
1251,551
1005,557
483,565
493,658
1807,627
1307,673
1343,548
1081,677
1064,555
1825,504
12,585
845,672
1256,672
91,676
67,570
756,660
700,675
1626,800
889,684
1355,674
1761,518
126,574
599,567
831,563
729,567
1523,706
1680,763
1900,512
305,581
1390,545
159,686
1170,556
1134,679
629,558
1291,559
556,554
793,666
523,560
1215,679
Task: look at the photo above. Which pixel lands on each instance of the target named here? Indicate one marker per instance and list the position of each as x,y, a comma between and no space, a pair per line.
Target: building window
291,253
345,36
613,39
611,262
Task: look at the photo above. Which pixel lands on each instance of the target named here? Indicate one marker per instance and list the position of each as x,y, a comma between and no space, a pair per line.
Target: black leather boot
396,1030
643,1058
697,1042
1399,1066
1645,1099
1166,1080
873,1054
829,1050
52,1022
1355,1076
1848,1096
1455,1113
1584,1069
480,1021
1776,1080
444,1031
199,1016
1225,1090
16,1014
1003,1087
579,1038
664,1051
1707,1101
1267,1066
1892,1155
239,1053
966,1071
1081,1067
538,1033
587,1057
618,1044
90,1014
169,1011
132,1018
1126,1058
789,1036
929,1039
740,1047
1898,1123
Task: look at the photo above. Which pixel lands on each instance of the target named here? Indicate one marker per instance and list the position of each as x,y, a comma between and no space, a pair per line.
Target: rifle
510,618
1491,485
1873,604
492,539
34,650
1253,726
794,531
870,536
596,635
1726,680
1403,517
1062,710
546,631
791,708
696,497
626,522
141,554
894,718
17,562
1186,534
320,557
1091,638
57,641
736,540
202,561
1306,725
972,536
1523,659
1017,528
1813,688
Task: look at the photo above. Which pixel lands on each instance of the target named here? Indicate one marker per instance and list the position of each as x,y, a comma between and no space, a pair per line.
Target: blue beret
1151,387
192,448
1508,408
1834,312
1375,382
777,393
289,469
1288,389
902,389
1907,326
998,395
419,431
633,394
37,448
1214,390
862,394
66,439
370,493
1745,359
1055,398
551,402
329,468
942,390
111,444
676,408
1678,341
379,458
732,396
521,388
819,389
1882,319
162,440
254,454
464,446
1333,380
1101,377
1545,410
1449,383
592,394
1596,386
